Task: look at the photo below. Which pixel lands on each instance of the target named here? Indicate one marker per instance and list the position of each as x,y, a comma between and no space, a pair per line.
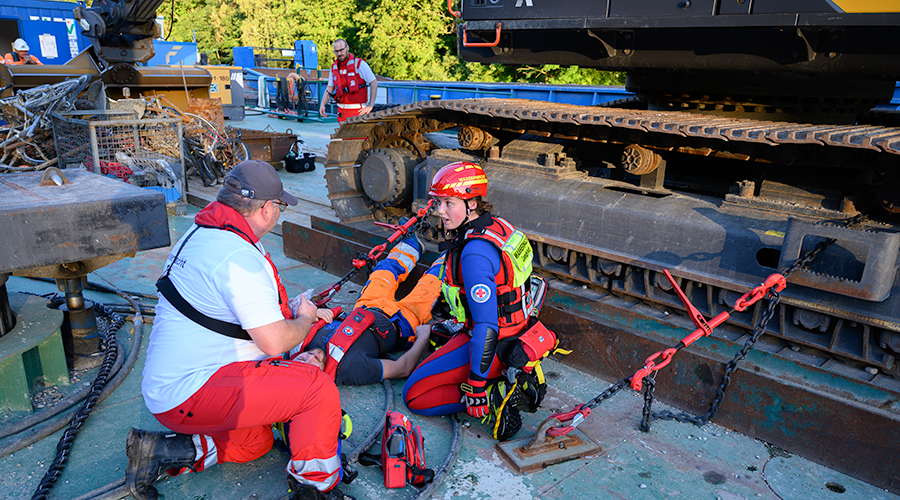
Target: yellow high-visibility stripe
862,6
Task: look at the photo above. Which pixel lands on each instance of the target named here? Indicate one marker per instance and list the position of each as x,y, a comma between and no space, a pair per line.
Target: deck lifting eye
686,4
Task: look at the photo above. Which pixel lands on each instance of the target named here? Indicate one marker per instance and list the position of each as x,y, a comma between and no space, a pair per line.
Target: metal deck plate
525,459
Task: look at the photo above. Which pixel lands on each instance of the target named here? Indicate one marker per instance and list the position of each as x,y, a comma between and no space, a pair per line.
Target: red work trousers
238,404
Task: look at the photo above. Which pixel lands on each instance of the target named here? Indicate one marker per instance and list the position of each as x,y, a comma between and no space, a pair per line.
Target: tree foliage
400,39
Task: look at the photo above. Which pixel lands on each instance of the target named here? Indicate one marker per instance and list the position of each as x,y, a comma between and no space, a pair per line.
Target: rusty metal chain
730,368
774,298
608,393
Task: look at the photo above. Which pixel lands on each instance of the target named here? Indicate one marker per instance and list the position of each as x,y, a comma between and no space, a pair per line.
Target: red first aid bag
402,456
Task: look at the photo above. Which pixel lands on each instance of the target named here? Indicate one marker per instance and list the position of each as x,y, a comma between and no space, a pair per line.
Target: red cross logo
480,293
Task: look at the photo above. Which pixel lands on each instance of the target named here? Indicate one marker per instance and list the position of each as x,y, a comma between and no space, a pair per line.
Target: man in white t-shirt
351,83
215,374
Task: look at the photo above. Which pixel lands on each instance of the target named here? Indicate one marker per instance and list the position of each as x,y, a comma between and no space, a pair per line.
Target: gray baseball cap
259,181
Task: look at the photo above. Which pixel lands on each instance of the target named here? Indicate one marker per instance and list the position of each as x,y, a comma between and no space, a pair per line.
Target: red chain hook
577,415
322,298
704,328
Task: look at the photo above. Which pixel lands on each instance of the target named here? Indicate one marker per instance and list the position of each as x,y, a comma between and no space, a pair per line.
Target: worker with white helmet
20,55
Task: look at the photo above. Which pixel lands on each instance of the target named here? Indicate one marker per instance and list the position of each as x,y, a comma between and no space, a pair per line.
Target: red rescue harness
357,322
511,317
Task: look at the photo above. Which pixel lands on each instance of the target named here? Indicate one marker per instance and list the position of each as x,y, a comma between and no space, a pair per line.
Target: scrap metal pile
44,118
209,151
28,143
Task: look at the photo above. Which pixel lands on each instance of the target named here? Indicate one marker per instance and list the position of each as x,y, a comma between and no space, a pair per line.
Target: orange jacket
13,59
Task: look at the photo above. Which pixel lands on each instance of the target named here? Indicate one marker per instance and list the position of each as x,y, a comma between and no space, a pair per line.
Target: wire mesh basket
144,152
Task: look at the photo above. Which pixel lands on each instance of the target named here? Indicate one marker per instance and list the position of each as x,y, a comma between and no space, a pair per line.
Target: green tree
400,39
323,22
216,26
406,39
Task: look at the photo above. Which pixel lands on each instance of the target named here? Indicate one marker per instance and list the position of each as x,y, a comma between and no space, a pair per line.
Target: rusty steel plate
88,217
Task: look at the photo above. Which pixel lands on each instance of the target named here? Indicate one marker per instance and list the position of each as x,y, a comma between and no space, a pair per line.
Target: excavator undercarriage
610,197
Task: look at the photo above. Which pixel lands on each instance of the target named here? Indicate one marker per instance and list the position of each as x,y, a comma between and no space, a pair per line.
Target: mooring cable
441,475
108,387
117,489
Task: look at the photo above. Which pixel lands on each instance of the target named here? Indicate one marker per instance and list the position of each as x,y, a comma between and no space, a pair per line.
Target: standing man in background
348,83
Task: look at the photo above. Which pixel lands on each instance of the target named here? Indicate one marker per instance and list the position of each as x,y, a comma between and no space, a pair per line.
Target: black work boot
309,492
504,400
150,454
533,392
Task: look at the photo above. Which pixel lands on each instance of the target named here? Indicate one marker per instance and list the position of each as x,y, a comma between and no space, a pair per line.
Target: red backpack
402,456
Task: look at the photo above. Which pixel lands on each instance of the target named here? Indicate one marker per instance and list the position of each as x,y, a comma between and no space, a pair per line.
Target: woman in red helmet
486,275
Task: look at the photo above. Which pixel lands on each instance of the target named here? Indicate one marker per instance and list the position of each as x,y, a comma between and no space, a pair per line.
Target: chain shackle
775,281
576,416
650,366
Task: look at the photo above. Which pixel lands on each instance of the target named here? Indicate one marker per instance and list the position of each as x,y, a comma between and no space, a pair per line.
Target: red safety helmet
462,179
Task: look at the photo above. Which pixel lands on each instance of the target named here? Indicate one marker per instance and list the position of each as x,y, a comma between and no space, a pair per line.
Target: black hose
379,426
117,489
124,308
97,287
45,415
60,406
455,446
112,491
37,434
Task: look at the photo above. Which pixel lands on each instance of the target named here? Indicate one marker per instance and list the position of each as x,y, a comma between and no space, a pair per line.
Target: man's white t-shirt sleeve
365,72
249,289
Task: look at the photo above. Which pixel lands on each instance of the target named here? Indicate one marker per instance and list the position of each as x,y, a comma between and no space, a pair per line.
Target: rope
68,437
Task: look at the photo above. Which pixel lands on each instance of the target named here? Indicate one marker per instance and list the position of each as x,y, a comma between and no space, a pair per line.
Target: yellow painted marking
861,6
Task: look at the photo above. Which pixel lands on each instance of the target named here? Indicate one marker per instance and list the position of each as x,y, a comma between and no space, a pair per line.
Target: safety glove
475,398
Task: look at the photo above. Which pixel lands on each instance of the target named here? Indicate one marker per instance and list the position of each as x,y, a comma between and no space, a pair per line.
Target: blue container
243,57
306,55
49,28
173,54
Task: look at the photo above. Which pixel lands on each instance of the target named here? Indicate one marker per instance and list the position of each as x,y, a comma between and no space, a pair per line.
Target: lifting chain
774,298
647,375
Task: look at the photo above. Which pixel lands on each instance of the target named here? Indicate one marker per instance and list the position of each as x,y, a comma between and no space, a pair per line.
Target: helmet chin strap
468,211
